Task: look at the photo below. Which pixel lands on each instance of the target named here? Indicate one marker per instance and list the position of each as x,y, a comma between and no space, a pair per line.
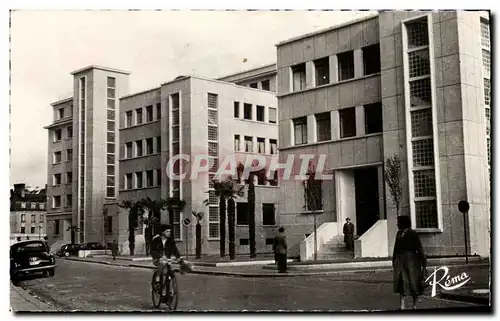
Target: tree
154,208
393,179
235,191
199,217
172,204
313,201
135,210
73,229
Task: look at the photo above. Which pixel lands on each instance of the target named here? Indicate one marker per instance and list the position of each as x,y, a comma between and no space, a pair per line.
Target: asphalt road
84,286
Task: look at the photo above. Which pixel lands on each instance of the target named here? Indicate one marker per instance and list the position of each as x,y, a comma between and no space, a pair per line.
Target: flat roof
62,101
249,70
101,68
338,26
139,92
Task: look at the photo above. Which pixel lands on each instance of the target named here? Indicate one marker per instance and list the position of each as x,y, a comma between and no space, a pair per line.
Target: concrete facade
263,78
458,119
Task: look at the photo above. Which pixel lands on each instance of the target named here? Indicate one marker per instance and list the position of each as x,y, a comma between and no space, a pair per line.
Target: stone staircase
335,250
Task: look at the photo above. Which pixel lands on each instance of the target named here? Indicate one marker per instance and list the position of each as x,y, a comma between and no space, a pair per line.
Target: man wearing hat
349,235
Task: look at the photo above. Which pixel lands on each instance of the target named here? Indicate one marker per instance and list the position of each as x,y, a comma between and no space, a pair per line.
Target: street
95,287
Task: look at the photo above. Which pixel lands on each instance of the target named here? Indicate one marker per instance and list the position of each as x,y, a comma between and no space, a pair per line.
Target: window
248,144
57,179
323,127
418,35
158,111
261,145
32,229
60,113
149,178
272,115
41,218
111,137
487,91
421,122
69,200
242,213
426,213
111,159
260,113
57,227
322,68
109,224
236,143
69,155
128,118
424,183
138,180
268,216
423,152
244,242
138,116
274,146
149,113
128,181
247,111
485,33
111,148
265,85
212,101
23,230
269,241
69,131
300,130
33,206
253,85
347,122
149,146
138,148
158,177
373,118
128,150
23,217
236,109
69,177
371,59
346,65
57,135
158,144
23,204
299,77
213,222
42,206
418,63
33,218
486,61
111,170
56,201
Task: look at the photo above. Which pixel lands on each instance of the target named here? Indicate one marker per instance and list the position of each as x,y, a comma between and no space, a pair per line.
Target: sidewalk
22,301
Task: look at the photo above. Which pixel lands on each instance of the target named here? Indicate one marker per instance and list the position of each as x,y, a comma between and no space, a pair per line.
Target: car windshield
31,247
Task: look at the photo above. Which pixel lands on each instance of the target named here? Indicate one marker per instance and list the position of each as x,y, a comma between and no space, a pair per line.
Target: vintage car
91,246
29,257
68,249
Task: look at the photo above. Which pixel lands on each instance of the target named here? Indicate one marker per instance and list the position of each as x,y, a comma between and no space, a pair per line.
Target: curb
465,298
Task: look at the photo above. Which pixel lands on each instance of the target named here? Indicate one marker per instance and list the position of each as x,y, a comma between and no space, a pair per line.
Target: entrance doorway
367,198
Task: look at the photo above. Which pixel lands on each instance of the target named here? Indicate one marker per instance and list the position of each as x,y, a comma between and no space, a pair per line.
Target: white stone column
292,134
311,129
358,63
254,112
334,69
360,121
335,124
290,80
310,75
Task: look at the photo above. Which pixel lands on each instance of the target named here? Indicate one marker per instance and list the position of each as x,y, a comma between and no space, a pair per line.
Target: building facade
397,83
27,213
200,118
82,155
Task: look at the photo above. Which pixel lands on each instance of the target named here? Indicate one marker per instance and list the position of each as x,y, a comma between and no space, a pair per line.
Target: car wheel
66,254
52,272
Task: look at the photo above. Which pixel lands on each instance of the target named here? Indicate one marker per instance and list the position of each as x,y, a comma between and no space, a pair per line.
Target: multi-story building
259,78
82,155
27,213
196,117
404,83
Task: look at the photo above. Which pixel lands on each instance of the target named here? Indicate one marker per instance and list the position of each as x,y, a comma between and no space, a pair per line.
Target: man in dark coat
280,250
114,249
349,235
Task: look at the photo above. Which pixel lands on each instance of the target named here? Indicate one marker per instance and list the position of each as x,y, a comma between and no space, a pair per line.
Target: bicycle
164,277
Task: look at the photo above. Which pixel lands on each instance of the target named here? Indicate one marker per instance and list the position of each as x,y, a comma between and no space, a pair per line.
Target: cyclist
163,245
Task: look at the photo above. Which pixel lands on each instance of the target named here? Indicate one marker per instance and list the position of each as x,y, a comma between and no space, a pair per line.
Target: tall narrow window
274,146
158,144
236,109
261,145
149,178
346,65
128,118
373,118
149,146
149,113
158,111
248,144
57,135
247,111
138,116
265,85
260,113
128,181
138,148
347,122
322,68
69,132
128,150
138,180
300,130
323,127
299,77
272,115
371,59
236,143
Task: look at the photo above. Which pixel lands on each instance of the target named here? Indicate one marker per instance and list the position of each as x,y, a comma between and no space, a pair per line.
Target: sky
155,46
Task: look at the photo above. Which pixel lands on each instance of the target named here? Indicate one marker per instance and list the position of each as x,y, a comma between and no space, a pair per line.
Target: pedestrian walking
280,250
114,249
349,235
408,262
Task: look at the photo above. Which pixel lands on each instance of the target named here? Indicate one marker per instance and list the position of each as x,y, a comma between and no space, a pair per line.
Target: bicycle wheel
156,290
172,294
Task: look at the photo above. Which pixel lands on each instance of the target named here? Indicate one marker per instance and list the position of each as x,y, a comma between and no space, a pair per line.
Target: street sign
463,206
186,222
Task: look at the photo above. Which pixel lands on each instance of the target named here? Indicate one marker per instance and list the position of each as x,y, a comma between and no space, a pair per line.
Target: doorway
367,198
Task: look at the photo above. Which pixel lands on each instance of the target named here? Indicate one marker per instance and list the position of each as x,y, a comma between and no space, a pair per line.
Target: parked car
68,249
91,246
29,257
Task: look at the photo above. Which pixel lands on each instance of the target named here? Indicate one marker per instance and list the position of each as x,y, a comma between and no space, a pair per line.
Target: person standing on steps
408,262
280,250
349,235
